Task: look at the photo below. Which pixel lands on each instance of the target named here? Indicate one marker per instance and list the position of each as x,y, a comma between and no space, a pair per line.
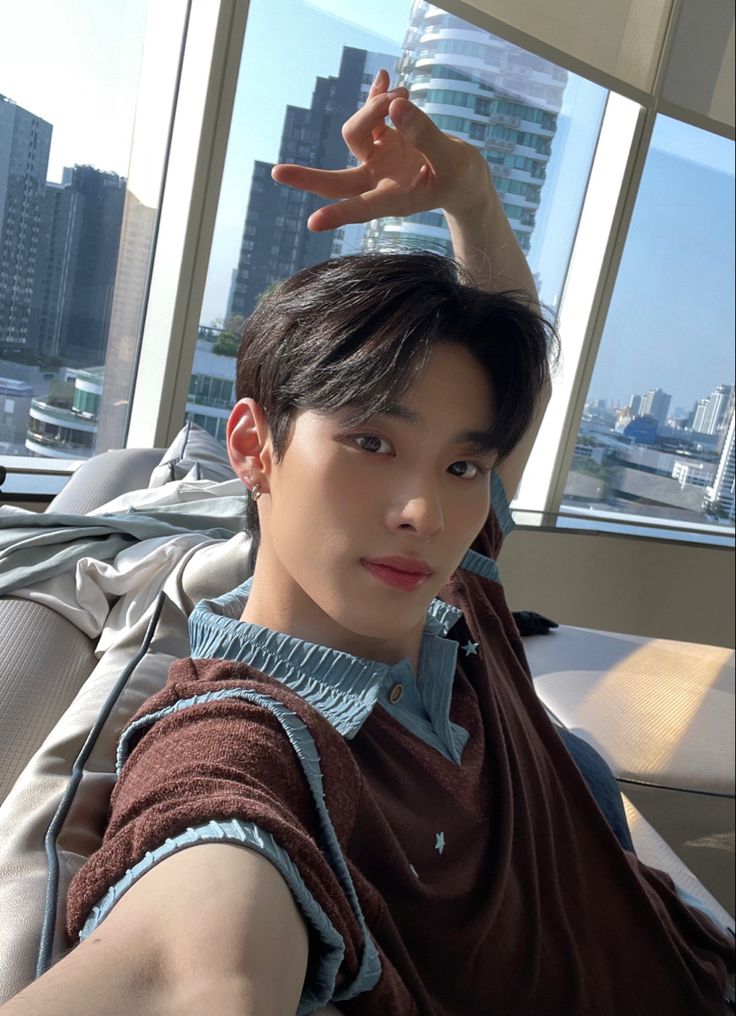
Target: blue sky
671,320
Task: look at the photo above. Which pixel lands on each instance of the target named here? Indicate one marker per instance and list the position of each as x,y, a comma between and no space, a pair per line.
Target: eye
371,440
473,467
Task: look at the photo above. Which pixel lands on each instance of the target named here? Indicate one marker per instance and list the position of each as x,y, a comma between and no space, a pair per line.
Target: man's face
342,496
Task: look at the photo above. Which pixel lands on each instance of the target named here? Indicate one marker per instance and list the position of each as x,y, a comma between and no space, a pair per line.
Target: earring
256,491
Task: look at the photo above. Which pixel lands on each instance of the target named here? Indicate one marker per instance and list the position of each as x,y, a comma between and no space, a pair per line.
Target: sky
675,283
75,63
671,318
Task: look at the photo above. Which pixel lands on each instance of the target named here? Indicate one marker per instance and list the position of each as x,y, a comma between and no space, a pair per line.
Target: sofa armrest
661,713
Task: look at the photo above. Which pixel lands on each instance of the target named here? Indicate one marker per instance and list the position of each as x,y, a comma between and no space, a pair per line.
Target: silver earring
256,491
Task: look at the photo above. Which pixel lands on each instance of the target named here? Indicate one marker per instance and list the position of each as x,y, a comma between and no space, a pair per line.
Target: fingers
358,131
417,129
373,204
380,83
379,86
327,183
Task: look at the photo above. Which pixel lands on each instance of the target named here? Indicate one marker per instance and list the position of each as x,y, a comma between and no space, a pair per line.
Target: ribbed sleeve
216,745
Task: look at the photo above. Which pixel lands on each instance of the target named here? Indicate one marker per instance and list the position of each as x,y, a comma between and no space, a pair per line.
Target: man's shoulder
232,693
207,682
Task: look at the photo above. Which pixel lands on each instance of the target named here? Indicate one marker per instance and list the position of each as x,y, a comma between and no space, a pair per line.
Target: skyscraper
56,259
136,241
655,403
25,140
700,412
721,497
275,241
719,404
75,265
494,95
103,196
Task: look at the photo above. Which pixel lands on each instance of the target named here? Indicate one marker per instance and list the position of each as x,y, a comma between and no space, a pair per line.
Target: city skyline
626,367
612,402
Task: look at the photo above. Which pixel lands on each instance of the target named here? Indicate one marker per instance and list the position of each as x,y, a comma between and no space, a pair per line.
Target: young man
382,812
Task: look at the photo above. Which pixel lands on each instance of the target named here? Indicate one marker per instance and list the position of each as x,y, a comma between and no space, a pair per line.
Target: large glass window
656,437
537,130
75,238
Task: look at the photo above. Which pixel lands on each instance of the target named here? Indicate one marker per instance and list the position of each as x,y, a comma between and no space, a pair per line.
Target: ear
249,443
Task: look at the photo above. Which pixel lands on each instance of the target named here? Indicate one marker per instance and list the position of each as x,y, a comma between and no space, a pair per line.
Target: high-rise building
103,196
712,412
635,404
25,140
700,414
491,93
655,403
56,260
75,265
134,256
275,241
721,497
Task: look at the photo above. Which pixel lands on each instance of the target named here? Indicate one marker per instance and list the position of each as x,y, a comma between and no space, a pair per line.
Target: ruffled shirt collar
343,687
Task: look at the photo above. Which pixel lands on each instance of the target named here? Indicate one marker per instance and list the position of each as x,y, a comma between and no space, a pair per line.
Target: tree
267,292
226,345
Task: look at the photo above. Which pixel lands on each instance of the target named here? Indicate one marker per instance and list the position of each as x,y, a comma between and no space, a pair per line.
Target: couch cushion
30,704
66,788
660,712
194,454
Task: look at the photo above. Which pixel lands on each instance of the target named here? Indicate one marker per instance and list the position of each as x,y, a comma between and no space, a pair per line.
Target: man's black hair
359,330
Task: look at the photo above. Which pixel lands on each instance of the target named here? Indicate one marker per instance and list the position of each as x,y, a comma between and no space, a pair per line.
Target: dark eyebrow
481,441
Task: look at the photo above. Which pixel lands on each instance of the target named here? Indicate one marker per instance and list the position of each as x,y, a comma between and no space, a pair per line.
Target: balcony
505,120
503,146
56,447
58,415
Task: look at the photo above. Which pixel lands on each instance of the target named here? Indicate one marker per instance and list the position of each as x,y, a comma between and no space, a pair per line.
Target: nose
418,509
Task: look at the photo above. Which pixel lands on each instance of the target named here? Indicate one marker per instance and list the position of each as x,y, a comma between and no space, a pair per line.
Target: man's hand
408,168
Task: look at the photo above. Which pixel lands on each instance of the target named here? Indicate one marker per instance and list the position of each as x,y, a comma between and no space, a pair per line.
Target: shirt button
395,694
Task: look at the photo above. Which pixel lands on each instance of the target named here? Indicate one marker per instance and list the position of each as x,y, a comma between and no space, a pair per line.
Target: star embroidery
471,648
440,844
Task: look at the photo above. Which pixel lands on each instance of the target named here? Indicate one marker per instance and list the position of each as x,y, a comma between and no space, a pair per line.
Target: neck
276,601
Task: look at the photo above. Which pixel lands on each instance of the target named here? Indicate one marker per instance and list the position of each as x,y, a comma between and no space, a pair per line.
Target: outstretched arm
212,929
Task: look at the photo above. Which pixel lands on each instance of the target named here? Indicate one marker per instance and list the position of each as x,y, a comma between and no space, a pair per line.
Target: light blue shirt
343,688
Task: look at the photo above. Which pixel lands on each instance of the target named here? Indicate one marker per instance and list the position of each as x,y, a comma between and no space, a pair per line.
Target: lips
398,578
407,565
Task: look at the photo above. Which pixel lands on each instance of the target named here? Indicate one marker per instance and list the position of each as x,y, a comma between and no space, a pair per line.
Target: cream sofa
660,713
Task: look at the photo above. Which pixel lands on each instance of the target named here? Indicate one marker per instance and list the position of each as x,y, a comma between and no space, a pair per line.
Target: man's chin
383,630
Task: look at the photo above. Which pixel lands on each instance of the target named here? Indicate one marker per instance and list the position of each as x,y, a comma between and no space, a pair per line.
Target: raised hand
408,168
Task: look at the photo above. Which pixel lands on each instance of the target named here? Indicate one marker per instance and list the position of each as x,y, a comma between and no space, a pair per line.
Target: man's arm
415,167
213,928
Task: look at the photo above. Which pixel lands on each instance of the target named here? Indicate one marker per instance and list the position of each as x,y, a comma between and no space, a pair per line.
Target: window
656,438
538,130
250,254
76,230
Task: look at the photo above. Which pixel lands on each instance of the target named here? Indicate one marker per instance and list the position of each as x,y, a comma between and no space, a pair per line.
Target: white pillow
195,454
